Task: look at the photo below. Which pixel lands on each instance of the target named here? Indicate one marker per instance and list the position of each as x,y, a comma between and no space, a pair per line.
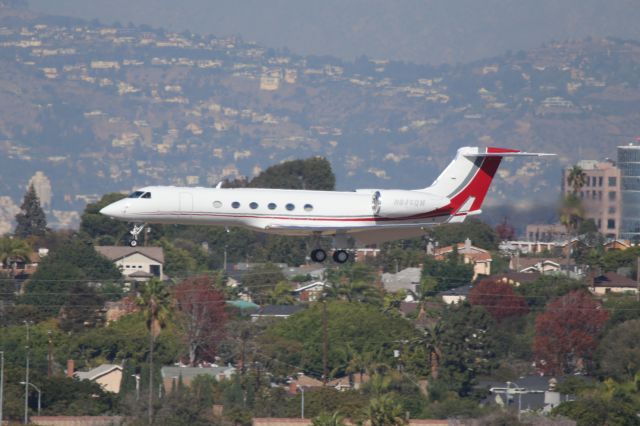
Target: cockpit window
146,195
136,194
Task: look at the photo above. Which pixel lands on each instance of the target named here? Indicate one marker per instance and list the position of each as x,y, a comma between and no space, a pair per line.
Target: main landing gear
339,256
137,229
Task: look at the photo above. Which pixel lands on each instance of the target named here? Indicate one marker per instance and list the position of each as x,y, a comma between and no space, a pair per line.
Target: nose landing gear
137,229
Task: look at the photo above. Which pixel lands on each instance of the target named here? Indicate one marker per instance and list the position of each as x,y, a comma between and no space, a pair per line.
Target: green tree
619,351
72,265
31,220
262,280
101,228
328,419
313,173
480,234
361,326
385,411
468,346
155,302
576,179
449,273
11,250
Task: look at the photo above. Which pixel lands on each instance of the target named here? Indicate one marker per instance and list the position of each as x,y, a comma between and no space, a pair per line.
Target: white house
137,263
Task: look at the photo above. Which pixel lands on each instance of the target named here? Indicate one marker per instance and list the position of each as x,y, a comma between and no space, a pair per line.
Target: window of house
612,195
235,204
217,204
611,224
253,205
612,209
600,180
272,206
290,207
146,195
612,181
308,207
594,194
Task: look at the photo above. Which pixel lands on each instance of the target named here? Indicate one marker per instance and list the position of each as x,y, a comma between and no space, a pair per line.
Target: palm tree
385,411
12,248
155,301
423,291
326,419
576,178
432,340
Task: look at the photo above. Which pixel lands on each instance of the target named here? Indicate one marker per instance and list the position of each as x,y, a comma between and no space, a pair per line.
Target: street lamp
39,393
517,390
137,376
302,402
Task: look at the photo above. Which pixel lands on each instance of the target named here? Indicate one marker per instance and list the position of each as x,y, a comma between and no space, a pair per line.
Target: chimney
467,244
293,388
71,366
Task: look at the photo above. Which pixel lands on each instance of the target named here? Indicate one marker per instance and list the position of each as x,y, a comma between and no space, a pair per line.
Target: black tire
133,243
318,255
340,256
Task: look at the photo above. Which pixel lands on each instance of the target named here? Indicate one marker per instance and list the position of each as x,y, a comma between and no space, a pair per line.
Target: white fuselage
287,212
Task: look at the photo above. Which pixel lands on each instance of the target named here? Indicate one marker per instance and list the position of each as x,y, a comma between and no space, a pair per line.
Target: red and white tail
467,178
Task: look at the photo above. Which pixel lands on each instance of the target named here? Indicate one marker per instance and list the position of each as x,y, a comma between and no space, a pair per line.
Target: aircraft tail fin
466,180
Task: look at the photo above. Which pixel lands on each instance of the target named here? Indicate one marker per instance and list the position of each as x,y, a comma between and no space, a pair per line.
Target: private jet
368,216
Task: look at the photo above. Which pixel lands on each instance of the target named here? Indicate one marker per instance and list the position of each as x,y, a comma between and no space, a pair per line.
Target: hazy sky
426,31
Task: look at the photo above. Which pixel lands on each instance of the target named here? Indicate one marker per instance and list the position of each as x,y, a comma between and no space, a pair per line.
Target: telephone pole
1,384
325,344
50,357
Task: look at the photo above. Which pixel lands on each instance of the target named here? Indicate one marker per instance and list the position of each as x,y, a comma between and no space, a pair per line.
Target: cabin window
290,206
272,206
253,205
308,207
146,195
136,194
217,204
235,204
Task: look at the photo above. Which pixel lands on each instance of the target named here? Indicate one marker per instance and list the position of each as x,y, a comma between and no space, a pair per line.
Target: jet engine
398,203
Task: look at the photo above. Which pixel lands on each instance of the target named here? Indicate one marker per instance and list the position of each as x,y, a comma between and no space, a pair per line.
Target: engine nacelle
398,203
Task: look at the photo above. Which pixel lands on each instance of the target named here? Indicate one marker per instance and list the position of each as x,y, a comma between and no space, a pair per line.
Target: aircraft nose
111,210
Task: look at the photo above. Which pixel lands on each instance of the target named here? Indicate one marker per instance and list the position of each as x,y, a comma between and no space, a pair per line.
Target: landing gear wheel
318,255
340,256
137,229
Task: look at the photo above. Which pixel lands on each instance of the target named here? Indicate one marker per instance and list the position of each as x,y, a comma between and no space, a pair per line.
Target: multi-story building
600,194
629,163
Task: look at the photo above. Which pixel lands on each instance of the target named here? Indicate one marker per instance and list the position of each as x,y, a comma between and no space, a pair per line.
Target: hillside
101,108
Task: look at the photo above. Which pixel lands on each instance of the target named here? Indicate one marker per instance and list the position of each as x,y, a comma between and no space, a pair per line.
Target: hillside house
406,280
310,292
109,376
136,263
479,258
611,282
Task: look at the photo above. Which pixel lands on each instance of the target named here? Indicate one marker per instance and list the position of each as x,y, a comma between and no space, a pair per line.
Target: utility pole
50,356
638,281
325,344
26,380
1,384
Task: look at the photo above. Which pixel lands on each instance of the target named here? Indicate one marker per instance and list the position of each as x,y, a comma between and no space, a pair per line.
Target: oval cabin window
308,207
290,206
217,204
235,204
272,206
253,205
